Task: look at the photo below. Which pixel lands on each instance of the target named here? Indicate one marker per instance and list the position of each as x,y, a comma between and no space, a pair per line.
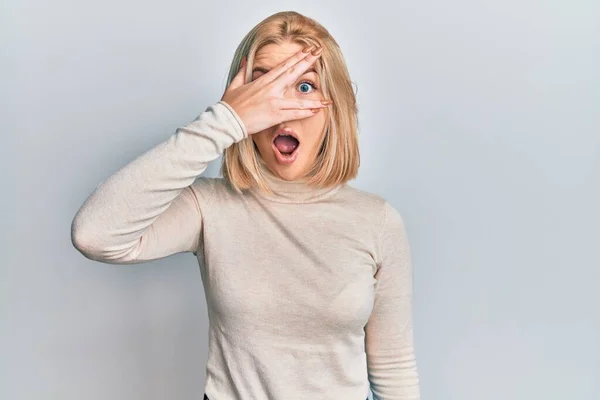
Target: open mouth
285,145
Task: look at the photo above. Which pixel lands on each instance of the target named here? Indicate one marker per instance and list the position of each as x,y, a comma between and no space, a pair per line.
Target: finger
296,71
289,115
290,104
239,78
279,69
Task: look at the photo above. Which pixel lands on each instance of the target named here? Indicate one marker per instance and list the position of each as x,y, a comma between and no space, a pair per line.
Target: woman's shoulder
376,207
364,201
362,196
210,188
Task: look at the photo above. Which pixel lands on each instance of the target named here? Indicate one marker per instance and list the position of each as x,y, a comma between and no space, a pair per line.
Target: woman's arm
389,332
149,209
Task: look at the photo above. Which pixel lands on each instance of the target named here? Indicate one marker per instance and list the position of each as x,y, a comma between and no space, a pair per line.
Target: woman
307,280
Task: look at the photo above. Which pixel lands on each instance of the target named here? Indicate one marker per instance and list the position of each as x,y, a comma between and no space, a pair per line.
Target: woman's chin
288,172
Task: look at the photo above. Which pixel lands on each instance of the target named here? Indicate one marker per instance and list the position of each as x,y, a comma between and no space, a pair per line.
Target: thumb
238,79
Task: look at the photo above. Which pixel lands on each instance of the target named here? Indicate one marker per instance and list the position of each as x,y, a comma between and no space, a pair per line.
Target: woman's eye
305,86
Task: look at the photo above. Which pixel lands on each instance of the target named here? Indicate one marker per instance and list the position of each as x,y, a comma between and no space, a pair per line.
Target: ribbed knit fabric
309,290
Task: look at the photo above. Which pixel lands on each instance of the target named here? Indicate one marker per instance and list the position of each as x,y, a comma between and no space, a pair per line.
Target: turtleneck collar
296,191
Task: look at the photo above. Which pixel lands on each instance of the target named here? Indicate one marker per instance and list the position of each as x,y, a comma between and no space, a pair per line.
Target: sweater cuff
234,118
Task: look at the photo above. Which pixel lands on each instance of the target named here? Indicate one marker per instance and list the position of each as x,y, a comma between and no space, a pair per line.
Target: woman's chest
297,265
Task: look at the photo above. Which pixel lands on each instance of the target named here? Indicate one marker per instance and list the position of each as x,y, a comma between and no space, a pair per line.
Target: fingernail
326,102
307,49
317,52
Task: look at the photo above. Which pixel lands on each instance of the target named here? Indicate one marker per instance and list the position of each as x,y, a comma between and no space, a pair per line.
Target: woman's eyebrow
265,70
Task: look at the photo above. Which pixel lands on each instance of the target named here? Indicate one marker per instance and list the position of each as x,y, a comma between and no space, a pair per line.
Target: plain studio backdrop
479,122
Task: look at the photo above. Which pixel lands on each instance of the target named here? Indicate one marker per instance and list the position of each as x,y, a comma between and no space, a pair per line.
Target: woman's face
308,131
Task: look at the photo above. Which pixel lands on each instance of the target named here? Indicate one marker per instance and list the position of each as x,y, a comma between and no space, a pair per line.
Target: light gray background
479,123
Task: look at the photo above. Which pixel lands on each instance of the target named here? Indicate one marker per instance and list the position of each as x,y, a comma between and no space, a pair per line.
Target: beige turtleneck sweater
309,290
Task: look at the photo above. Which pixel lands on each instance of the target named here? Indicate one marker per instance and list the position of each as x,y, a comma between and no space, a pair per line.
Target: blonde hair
338,159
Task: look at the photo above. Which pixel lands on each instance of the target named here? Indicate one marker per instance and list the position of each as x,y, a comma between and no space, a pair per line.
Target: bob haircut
338,158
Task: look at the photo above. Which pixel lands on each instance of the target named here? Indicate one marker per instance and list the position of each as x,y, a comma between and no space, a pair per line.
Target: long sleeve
149,209
391,363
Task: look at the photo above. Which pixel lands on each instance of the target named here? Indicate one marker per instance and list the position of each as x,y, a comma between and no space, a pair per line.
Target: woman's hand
260,104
